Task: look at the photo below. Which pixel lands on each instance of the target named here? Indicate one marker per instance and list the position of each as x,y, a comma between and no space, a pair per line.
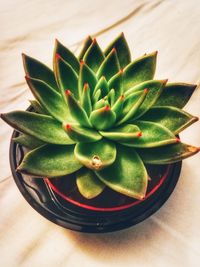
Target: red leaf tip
146,90
178,140
57,56
139,134
165,81
82,62
94,41
68,127
121,71
113,50
67,92
122,97
27,77
107,108
86,86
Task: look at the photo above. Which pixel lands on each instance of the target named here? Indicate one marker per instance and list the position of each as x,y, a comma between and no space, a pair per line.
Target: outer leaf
76,111
35,69
124,133
123,52
172,118
116,82
176,94
28,141
67,55
140,70
42,127
88,183
86,75
155,88
153,135
96,156
94,56
50,161
103,85
167,154
50,99
103,118
127,175
86,100
110,65
38,108
85,47
66,77
81,134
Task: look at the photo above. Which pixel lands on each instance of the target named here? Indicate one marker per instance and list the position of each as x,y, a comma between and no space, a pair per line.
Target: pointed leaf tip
67,92
57,56
139,134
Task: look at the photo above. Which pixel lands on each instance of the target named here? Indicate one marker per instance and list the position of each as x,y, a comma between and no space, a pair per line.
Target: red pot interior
65,190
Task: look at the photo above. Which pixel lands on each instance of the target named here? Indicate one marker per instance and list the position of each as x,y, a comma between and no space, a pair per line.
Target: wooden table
171,237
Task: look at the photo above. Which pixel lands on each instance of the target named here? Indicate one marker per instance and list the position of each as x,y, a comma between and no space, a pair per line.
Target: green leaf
81,134
103,85
86,75
103,118
127,175
67,55
135,105
50,161
176,94
116,82
96,156
124,133
123,52
35,69
96,96
76,111
43,127
155,88
131,100
94,56
38,108
167,154
140,70
66,77
100,104
86,100
172,118
117,108
50,99
86,45
88,183
28,141
111,97
110,66
152,135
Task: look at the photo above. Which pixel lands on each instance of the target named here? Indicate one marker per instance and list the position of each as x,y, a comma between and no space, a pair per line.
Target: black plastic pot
61,203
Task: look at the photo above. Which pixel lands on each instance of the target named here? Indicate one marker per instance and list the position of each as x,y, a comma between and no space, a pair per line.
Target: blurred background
171,237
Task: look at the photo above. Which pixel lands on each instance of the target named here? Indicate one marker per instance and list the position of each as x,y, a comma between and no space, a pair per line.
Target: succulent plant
102,117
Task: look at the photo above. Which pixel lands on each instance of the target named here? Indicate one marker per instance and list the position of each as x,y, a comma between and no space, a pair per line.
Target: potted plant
98,150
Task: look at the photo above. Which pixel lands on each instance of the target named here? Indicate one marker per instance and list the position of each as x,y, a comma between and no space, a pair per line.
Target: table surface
170,237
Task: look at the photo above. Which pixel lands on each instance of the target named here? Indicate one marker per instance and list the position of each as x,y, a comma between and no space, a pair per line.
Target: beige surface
171,237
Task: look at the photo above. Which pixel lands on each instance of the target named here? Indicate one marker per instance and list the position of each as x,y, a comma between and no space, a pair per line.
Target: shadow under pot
59,200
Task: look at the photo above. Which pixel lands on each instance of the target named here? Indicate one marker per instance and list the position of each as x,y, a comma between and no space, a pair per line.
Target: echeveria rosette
102,117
